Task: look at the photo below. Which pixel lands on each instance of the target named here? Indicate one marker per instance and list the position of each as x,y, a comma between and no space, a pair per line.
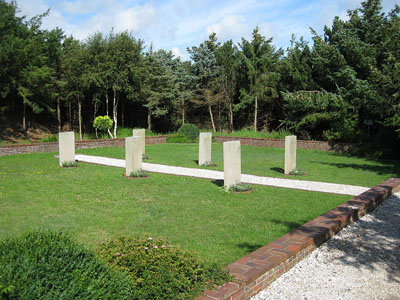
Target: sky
178,24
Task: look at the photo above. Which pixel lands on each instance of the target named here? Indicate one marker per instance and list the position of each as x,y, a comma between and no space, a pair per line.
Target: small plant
239,188
190,131
208,164
297,172
139,174
69,164
145,156
159,270
103,123
5,292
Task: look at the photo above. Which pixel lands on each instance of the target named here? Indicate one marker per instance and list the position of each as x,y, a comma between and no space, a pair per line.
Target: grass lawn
265,161
94,202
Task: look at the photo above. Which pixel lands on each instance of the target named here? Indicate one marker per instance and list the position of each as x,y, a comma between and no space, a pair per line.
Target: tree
73,61
206,70
228,61
259,62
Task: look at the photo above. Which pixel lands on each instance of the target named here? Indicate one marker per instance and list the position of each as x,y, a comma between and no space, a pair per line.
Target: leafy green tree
228,61
259,60
206,69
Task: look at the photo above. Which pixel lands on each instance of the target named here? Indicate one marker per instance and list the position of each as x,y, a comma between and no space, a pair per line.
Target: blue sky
177,24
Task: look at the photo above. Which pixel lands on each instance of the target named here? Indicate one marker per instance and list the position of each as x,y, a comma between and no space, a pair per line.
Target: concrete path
315,186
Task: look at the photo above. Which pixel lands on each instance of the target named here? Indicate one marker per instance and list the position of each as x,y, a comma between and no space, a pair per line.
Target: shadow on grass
289,225
249,247
218,182
378,169
278,170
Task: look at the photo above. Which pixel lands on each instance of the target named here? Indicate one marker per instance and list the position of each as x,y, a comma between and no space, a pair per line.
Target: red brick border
255,271
53,146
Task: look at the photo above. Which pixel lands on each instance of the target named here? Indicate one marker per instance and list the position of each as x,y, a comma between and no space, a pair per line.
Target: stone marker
290,153
142,134
205,148
232,163
133,154
66,147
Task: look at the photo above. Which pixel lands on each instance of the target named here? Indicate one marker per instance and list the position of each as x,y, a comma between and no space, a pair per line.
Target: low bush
159,270
189,130
49,265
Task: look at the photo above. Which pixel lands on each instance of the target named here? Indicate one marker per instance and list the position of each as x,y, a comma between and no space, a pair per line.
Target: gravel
360,262
218,175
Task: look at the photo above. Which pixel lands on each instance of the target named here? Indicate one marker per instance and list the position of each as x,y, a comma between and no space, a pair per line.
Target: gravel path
218,175
361,262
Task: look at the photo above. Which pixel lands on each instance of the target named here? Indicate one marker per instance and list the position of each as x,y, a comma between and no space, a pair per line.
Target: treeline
344,86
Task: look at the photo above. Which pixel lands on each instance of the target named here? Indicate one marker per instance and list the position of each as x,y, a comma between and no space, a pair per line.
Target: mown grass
266,161
94,203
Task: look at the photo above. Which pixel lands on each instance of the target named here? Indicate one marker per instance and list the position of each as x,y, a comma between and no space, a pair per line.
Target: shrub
49,265
139,174
178,138
159,270
189,130
103,123
49,138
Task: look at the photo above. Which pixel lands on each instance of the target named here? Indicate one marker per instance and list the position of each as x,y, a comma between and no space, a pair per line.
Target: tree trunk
95,109
211,117
230,116
24,117
59,114
149,119
70,114
80,118
122,113
107,104
115,113
255,114
183,111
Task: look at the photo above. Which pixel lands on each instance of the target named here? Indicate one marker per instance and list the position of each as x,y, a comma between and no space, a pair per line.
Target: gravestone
66,147
205,148
133,154
232,163
290,153
142,134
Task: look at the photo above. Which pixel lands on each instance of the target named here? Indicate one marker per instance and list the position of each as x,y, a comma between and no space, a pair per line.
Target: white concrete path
315,186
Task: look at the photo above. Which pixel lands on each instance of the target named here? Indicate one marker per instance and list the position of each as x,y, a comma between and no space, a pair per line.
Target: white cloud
231,27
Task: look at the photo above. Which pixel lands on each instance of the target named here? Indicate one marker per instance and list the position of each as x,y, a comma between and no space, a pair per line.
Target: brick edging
255,271
53,146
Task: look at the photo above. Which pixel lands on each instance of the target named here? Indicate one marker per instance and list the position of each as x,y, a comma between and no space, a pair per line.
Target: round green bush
190,130
159,270
103,123
49,265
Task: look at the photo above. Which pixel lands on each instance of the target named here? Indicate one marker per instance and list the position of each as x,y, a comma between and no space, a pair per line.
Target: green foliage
139,174
239,188
49,265
190,131
103,123
297,172
159,270
69,164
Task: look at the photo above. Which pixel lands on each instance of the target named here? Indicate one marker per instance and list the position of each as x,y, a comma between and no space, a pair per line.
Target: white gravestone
232,163
205,148
142,134
290,153
66,147
133,154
